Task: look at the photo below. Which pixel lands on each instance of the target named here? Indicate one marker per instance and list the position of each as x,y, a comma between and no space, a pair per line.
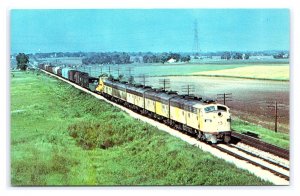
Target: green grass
62,136
278,139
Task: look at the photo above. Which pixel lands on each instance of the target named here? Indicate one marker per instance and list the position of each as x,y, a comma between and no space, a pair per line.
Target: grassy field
278,139
254,72
62,136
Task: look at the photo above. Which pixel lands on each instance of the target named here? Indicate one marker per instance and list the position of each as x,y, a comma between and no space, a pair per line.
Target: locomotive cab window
210,109
222,108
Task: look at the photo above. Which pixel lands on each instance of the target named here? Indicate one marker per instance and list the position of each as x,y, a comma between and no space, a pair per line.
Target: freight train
207,120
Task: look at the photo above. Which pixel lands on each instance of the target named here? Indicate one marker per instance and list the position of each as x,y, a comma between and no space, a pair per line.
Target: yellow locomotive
208,120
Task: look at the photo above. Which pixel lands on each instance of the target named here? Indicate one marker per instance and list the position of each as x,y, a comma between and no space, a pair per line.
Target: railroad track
264,158
274,168
256,143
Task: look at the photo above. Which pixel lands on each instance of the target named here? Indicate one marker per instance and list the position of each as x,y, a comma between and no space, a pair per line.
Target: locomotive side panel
130,98
117,93
107,90
123,95
139,101
178,115
150,105
192,120
162,109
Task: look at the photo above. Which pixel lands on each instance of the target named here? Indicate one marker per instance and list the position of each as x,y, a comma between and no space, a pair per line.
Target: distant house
171,60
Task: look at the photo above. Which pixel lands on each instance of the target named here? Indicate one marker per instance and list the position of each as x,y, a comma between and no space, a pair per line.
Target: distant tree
226,55
247,56
163,59
237,55
137,59
185,58
22,61
281,55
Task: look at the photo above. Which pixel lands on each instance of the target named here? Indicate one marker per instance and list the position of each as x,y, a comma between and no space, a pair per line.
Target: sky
155,30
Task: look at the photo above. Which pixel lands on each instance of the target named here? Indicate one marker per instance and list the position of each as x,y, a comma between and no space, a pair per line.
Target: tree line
234,55
165,57
108,58
125,58
58,54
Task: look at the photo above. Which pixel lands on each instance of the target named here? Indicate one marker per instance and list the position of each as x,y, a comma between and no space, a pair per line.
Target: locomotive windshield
222,108
210,109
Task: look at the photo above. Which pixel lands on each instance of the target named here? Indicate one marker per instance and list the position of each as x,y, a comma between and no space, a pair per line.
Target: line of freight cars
81,78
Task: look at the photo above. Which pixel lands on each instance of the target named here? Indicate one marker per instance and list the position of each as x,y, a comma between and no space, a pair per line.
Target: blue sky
155,30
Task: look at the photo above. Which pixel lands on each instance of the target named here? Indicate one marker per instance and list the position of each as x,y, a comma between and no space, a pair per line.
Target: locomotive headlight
208,120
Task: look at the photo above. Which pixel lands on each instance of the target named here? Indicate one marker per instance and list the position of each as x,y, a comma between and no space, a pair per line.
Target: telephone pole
165,83
143,79
275,106
225,97
118,69
188,89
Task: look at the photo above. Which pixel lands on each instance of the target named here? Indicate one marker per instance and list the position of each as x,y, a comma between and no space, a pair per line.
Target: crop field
180,69
62,136
256,72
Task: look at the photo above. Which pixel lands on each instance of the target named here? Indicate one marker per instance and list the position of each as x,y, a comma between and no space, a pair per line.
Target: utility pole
144,79
118,70
101,68
165,83
188,89
225,97
275,106
90,72
129,69
130,77
109,70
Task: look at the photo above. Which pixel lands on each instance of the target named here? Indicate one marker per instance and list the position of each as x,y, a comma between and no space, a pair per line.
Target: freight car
81,78
207,120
